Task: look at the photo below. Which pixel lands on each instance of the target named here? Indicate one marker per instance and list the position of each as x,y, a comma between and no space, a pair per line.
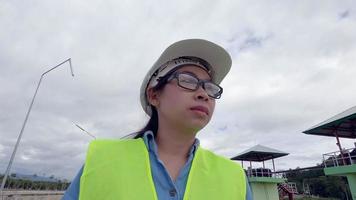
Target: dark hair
152,124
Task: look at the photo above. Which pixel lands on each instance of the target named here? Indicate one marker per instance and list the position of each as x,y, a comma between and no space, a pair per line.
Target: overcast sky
293,67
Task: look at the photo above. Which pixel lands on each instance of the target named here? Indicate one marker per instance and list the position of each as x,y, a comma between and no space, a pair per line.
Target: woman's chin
198,125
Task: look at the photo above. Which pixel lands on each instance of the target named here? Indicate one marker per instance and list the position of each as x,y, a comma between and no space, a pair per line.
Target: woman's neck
173,146
174,142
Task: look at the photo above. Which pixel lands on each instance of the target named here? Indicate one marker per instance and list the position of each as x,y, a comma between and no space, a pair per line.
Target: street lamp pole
24,123
91,135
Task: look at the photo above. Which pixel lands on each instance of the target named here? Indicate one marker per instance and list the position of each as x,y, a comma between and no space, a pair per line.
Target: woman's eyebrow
192,73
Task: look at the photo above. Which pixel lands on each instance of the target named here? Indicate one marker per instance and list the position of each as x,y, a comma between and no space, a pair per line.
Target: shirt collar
148,138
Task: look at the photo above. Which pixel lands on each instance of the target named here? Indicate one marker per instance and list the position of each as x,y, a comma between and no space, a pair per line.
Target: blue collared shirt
166,188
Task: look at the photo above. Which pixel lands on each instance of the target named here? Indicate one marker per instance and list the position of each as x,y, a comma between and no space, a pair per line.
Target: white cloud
292,68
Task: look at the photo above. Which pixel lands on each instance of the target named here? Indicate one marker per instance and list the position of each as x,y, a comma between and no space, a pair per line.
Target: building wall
264,191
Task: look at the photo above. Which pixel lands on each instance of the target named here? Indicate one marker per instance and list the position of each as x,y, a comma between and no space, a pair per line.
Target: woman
164,160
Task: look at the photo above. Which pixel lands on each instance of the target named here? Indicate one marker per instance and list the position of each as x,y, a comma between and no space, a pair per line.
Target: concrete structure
264,182
342,162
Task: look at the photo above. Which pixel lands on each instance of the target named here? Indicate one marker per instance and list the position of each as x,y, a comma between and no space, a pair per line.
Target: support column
340,148
351,179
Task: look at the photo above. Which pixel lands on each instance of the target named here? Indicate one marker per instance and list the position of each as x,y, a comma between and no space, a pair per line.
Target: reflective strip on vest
120,170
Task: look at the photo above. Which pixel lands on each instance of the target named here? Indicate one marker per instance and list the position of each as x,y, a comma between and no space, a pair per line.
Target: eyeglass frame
200,83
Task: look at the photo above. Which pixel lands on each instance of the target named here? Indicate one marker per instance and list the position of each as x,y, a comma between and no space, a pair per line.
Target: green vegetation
12,183
319,184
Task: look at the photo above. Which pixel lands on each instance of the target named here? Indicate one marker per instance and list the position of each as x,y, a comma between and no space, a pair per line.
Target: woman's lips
201,108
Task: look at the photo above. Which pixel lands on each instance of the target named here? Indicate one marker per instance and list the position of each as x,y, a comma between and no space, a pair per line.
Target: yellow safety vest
120,170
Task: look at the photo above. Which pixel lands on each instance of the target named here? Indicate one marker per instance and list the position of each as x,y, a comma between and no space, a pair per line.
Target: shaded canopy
343,125
259,153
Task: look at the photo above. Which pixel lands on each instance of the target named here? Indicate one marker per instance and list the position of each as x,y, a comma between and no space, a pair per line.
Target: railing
31,194
284,189
264,172
293,187
338,158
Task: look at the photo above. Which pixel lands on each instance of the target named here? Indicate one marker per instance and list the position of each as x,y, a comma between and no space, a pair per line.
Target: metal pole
335,159
340,148
24,123
324,160
348,152
91,135
251,169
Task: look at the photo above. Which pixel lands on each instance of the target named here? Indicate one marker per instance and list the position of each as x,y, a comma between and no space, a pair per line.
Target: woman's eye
188,80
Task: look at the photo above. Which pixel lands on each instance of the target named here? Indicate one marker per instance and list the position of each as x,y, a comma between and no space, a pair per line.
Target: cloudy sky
293,67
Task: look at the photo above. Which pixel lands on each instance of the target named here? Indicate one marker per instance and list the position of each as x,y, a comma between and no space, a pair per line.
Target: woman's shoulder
218,159
103,150
113,144
221,165
114,141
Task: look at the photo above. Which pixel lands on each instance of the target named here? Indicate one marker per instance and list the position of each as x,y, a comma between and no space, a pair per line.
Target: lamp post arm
24,124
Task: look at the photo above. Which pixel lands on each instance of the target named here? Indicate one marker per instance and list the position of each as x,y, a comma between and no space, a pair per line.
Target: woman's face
183,108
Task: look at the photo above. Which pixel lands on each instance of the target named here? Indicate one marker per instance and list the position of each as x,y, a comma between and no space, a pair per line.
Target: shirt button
172,192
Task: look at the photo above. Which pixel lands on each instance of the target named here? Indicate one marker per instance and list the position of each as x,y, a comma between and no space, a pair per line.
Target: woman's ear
152,97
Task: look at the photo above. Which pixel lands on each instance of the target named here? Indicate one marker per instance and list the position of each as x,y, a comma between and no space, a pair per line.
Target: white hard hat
218,59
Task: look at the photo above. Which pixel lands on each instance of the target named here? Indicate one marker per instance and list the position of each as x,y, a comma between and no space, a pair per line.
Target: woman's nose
201,94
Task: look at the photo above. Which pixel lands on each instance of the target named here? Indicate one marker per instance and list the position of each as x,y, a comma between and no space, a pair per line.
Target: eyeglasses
191,82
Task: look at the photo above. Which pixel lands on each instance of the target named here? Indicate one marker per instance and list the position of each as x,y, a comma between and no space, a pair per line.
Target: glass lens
212,89
188,81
